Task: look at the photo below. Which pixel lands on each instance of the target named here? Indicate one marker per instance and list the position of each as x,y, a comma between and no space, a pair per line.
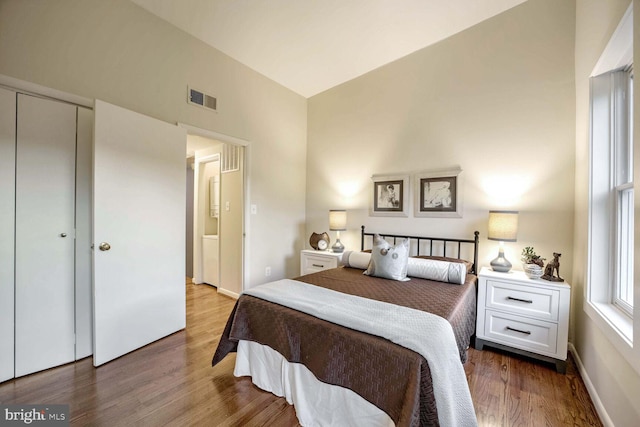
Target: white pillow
356,259
388,261
441,271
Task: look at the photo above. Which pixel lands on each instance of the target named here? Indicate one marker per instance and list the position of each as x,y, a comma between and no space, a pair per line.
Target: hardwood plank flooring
171,383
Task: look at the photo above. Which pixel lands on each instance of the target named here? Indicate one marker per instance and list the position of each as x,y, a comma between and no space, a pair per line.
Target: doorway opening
216,190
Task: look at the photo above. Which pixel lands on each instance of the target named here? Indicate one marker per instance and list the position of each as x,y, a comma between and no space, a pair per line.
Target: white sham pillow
388,261
441,271
356,259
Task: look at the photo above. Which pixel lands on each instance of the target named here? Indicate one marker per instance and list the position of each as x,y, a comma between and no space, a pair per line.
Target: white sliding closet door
139,199
7,226
44,250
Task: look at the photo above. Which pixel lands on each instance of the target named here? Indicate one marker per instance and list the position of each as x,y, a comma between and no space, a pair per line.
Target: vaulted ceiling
310,46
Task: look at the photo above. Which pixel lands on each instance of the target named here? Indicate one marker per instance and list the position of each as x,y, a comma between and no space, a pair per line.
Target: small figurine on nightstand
553,266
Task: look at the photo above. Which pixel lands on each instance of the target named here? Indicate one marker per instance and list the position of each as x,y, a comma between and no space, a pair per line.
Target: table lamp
337,223
503,227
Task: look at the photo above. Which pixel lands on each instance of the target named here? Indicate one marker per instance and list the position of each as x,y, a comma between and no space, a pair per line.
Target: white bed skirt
316,403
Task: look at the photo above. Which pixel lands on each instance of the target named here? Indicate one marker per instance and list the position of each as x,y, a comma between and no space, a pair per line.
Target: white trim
619,50
617,320
209,158
22,86
595,398
206,133
606,318
228,293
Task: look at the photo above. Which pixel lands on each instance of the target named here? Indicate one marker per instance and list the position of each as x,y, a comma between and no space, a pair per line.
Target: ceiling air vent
201,99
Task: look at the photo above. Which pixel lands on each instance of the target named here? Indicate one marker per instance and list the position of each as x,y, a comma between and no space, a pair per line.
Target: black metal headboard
419,242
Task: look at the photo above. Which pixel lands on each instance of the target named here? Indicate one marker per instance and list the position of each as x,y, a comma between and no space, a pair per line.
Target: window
611,207
611,214
622,168
608,296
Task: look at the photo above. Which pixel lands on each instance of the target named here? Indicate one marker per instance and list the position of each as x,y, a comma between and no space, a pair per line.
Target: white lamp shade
337,220
503,226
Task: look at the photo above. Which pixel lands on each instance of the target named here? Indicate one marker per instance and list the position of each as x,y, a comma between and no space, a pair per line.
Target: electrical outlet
267,271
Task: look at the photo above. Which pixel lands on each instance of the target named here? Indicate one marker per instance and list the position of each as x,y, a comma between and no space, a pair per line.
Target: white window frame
610,179
606,190
623,285
622,183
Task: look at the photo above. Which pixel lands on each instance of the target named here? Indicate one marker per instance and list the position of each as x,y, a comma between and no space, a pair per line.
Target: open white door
139,231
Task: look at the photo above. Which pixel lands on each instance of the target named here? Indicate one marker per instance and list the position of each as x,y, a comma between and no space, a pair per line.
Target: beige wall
116,51
496,99
616,383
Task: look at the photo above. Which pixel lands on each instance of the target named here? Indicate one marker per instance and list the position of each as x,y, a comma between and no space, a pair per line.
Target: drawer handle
318,265
518,330
528,301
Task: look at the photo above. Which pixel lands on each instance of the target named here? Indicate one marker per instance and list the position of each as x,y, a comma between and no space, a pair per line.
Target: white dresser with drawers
524,316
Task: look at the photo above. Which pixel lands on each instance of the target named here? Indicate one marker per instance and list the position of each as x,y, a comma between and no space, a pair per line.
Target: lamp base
337,247
501,264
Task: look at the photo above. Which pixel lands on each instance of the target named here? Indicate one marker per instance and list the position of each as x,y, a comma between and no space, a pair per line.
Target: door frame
228,139
34,89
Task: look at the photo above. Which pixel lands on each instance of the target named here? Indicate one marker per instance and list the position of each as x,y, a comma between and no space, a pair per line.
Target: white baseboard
228,293
602,412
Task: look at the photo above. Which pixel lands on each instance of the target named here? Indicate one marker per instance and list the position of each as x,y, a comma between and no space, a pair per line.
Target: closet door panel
45,204
7,227
84,255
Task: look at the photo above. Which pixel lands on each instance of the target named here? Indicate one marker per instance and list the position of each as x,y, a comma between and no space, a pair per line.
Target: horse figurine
553,267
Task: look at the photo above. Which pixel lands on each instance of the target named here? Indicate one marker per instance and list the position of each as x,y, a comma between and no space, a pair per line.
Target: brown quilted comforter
395,379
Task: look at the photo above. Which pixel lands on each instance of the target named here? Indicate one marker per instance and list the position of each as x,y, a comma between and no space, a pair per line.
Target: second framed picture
438,193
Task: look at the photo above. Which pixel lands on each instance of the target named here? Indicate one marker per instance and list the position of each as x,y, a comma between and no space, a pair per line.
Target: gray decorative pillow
388,261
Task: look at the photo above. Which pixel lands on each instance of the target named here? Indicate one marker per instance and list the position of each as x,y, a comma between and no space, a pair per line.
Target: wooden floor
171,383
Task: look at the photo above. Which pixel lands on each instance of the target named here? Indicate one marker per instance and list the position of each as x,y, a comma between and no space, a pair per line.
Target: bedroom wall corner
497,99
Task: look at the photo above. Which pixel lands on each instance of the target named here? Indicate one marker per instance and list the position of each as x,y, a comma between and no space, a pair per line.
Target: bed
291,339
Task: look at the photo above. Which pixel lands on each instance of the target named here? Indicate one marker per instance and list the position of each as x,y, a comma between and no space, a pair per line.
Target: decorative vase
533,271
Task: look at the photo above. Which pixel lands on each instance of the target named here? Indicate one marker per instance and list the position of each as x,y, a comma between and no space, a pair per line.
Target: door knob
63,234
104,246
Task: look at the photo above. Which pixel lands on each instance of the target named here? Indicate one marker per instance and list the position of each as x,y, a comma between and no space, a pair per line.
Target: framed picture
438,193
390,195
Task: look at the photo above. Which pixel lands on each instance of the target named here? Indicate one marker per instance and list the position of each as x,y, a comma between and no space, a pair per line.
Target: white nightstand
312,261
522,315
